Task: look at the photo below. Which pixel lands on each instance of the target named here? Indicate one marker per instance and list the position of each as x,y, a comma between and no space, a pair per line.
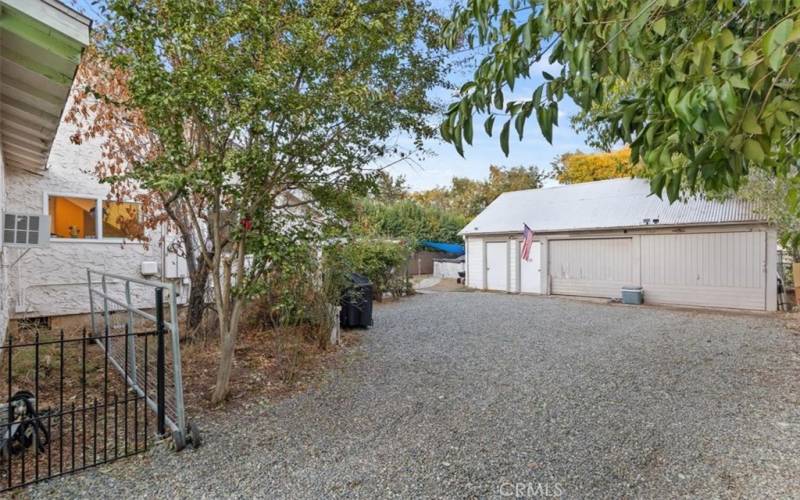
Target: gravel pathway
486,395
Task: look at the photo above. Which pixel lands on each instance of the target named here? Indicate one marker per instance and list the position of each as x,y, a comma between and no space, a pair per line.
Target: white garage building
594,238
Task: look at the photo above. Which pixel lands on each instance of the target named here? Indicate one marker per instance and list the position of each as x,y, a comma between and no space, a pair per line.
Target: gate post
160,360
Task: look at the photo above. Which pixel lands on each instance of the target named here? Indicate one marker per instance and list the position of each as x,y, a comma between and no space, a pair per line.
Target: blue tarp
444,247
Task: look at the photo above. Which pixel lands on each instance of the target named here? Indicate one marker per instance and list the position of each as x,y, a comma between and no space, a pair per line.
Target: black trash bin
356,302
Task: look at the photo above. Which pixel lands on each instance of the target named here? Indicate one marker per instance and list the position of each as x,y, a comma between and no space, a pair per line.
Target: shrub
409,220
382,261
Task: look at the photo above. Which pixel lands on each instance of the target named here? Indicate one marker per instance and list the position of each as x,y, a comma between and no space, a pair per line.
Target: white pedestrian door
497,265
530,271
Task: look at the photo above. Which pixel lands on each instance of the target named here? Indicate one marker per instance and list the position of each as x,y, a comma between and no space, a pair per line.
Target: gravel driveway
476,394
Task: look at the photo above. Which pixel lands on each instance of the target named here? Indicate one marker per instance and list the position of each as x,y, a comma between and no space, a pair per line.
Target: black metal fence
67,410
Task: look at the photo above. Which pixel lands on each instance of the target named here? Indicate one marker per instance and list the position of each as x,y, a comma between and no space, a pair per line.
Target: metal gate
114,310
65,412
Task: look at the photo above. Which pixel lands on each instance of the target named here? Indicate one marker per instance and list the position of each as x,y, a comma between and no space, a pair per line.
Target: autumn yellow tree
577,167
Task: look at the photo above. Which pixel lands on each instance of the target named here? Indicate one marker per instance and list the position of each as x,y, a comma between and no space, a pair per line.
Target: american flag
527,243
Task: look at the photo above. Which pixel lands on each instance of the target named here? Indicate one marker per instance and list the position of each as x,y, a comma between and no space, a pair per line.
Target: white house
594,238
45,179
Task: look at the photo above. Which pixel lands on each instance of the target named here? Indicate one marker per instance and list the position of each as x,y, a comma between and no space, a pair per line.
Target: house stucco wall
51,280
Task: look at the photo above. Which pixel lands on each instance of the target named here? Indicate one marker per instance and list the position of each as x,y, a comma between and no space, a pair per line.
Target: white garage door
590,267
497,265
710,269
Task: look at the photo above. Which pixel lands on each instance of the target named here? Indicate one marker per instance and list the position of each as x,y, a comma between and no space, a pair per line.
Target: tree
469,197
573,168
591,122
438,197
408,220
99,112
389,188
503,179
768,194
714,84
255,111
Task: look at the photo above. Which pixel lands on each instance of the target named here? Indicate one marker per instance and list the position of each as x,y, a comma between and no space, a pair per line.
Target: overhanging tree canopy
719,96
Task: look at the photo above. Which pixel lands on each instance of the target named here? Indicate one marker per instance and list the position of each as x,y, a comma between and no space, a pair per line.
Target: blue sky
441,163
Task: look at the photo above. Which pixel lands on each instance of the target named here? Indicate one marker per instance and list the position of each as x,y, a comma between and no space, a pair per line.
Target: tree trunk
195,262
197,298
222,385
229,330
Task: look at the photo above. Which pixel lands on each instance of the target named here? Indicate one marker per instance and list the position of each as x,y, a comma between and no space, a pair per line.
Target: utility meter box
149,268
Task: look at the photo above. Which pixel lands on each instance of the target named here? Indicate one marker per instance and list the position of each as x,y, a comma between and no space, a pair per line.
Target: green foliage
468,197
297,307
250,102
263,119
388,188
300,293
408,220
591,122
289,248
771,198
382,261
712,83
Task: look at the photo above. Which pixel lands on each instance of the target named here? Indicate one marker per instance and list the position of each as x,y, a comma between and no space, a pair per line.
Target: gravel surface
485,395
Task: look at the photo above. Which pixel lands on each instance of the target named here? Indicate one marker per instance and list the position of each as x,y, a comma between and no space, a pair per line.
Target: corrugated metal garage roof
598,205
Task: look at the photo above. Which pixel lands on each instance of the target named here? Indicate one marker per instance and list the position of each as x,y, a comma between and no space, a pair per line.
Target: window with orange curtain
72,217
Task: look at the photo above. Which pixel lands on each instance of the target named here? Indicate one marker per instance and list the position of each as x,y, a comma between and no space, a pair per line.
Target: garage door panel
734,298
712,269
715,259
590,267
587,288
